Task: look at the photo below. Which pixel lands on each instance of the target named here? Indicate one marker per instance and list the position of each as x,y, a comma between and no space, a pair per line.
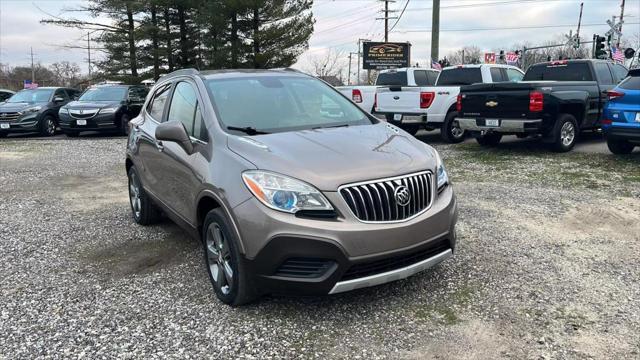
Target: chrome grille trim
9,116
374,201
86,113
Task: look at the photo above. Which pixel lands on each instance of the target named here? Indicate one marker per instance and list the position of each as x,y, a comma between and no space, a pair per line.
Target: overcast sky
340,23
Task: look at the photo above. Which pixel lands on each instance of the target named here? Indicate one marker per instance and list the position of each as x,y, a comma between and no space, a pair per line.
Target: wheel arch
207,201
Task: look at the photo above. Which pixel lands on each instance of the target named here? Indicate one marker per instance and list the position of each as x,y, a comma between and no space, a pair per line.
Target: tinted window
37,95
105,93
577,71
394,78
61,93
183,106
421,77
603,73
432,76
630,83
496,75
460,76
156,106
5,95
137,93
514,75
619,72
281,103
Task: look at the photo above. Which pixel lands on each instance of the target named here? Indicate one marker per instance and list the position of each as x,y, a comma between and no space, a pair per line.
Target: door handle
159,146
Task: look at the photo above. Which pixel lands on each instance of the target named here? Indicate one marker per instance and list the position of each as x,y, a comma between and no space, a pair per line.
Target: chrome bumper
506,125
389,276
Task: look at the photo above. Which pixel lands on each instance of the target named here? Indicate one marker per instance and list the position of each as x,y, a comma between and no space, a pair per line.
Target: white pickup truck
434,107
364,95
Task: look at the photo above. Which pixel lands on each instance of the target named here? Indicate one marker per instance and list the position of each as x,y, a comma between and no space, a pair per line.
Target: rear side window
577,71
603,73
421,77
5,95
432,76
619,72
513,75
630,83
394,78
157,104
137,94
460,76
496,75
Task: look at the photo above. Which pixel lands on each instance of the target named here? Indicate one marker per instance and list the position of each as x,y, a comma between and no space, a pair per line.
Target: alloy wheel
219,258
456,130
50,126
134,196
567,133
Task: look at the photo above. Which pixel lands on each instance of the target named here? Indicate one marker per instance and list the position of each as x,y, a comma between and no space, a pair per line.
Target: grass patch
444,312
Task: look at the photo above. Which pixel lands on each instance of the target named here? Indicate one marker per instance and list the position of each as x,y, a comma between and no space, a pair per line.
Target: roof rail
189,71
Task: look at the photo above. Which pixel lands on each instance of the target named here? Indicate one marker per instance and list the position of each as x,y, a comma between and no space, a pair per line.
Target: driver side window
185,108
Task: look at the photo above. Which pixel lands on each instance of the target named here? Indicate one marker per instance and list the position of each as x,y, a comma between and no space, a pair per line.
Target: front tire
620,147
565,133
451,131
489,140
48,126
143,209
225,266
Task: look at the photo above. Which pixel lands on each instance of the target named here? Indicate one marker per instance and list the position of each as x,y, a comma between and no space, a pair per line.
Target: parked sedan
103,108
34,110
286,194
621,122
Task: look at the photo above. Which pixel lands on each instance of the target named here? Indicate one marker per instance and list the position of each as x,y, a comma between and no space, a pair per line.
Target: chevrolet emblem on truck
491,103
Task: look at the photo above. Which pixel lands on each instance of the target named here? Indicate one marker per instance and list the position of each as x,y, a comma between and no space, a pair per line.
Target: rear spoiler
634,72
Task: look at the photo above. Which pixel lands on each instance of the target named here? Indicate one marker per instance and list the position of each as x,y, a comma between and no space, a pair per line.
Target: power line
400,17
509,28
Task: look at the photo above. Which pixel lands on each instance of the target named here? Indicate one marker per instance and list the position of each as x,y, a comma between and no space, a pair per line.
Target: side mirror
175,131
58,99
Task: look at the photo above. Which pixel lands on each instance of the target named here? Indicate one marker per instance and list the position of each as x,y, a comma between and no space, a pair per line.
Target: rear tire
144,211
451,131
225,266
565,133
48,126
620,147
124,124
489,140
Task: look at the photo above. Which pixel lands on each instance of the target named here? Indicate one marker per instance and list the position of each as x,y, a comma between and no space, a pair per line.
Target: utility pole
360,41
89,54
386,18
621,23
435,30
33,71
349,71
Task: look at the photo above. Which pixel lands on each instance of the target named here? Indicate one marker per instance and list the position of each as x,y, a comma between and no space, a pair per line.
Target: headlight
443,178
283,193
31,110
109,110
64,111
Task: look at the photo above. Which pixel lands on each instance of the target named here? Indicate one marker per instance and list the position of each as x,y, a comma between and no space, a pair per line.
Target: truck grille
9,116
388,200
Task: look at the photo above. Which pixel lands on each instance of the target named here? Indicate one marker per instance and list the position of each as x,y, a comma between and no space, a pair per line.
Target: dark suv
103,108
290,186
34,110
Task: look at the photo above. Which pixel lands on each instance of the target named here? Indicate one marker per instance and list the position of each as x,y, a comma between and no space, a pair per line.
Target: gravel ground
547,266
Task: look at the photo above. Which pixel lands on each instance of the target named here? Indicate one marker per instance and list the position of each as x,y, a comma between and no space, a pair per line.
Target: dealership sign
385,55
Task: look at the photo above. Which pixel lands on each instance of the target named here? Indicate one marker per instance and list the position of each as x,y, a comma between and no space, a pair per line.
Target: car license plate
492,122
81,122
4,126
638,117
397,117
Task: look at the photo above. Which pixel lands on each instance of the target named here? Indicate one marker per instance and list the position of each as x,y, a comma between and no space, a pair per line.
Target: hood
18,106
328,158
91,104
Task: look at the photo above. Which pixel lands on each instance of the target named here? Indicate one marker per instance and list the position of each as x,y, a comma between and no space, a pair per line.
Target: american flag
617,55
435,65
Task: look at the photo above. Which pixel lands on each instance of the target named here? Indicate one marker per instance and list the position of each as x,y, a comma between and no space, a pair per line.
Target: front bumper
351,254
25,123
98,122
504,125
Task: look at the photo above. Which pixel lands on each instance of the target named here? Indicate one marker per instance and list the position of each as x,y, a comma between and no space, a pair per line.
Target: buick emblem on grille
402,195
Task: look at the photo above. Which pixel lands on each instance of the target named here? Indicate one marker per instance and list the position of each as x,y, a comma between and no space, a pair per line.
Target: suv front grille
304,267
9,116
379,200
396,262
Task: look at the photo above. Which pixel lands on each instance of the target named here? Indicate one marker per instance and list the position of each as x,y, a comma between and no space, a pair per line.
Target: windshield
36,95
271,103
104,94
459,76
578,71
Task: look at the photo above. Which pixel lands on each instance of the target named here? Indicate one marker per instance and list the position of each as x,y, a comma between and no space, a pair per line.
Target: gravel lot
547,266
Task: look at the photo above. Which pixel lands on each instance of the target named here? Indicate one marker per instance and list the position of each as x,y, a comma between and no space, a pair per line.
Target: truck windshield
281,103
459,76
37,95
115,93
392,78
577,71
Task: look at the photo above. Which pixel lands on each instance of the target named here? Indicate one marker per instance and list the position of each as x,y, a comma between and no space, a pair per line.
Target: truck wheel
620,147
451,131
565,133
491,139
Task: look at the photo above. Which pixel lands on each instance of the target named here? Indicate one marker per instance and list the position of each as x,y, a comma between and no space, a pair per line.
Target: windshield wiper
328,127
247,130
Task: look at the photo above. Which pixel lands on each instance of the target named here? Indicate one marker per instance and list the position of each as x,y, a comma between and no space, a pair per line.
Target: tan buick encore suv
291,187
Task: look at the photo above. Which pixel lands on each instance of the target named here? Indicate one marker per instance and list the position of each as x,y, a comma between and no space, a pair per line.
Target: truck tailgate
499,100
405,101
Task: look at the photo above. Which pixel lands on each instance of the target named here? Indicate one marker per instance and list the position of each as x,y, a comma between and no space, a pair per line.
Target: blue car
621,123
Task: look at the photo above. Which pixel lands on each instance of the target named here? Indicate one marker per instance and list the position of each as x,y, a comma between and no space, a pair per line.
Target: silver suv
291,187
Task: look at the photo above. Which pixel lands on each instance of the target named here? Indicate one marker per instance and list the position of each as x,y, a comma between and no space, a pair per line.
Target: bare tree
330,63
65,73
472,55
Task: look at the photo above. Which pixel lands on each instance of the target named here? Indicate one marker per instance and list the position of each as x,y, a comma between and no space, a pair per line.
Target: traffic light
501,55
599,52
